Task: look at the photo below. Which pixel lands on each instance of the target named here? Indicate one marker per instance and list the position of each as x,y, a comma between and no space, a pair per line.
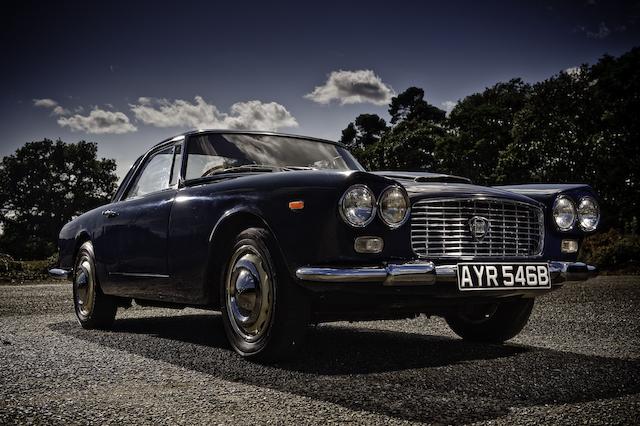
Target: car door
137,226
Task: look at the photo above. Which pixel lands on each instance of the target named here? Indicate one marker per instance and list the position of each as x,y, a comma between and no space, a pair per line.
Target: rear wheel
93,308
263,311
493,323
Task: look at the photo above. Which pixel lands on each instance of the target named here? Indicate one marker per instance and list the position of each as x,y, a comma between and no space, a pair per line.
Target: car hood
422,176
420,185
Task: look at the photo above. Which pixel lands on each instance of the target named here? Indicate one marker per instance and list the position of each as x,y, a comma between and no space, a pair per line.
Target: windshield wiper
253,168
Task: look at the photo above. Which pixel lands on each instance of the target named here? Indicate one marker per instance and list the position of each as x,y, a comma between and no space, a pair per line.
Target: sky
128,74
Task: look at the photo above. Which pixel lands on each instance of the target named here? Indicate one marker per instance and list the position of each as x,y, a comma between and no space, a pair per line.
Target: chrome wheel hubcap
249,295
83,283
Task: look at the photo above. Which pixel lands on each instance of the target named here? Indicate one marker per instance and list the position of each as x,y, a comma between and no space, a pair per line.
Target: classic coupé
279,231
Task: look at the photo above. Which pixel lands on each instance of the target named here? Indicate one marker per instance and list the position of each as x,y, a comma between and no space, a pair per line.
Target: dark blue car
279,231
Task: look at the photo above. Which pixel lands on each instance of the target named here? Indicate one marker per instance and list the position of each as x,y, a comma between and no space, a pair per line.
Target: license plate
503,276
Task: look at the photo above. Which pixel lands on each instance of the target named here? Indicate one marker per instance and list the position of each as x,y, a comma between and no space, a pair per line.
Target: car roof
245,132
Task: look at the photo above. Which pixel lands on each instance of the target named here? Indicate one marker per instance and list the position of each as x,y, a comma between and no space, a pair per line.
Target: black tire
93,308
491,324
268,326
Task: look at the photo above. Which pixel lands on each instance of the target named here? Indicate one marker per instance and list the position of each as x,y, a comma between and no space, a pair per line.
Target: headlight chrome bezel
341,206
407,202
573,208
579,215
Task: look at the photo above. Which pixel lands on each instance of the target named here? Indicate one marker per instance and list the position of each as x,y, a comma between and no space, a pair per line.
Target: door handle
109,213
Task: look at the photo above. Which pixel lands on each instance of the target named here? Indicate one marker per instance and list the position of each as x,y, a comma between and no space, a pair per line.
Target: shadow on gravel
408,376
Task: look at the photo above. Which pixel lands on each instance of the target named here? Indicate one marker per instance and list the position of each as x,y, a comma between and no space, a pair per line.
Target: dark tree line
578,126
43,186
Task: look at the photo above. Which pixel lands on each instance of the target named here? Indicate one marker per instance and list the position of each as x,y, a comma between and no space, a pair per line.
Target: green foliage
481,130
44,185
411,106
613,251
17,272
365,131
363,137
408,145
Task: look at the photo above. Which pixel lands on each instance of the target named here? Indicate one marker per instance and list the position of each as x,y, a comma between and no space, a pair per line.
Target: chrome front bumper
61,274
426,273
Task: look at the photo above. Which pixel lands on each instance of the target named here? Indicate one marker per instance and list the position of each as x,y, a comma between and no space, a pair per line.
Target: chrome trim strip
336,275
61,274
136,275
426,273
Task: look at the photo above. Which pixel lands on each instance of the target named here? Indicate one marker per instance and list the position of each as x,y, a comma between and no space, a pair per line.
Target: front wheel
493,323
93,308
263,311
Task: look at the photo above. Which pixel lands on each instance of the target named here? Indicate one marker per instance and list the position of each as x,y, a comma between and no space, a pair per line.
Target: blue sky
128,74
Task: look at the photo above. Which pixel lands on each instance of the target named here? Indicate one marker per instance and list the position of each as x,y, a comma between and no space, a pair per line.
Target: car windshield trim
211,154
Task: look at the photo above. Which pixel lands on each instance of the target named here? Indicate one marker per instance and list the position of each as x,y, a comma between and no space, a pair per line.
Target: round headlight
564,213
588,214
358,206
394,206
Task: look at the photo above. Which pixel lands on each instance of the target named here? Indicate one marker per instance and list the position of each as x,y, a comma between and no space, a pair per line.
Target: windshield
213,153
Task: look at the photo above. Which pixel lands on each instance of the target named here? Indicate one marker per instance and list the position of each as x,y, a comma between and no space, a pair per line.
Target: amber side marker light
296,205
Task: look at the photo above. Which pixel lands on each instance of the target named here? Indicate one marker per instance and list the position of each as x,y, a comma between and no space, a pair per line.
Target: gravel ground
577,361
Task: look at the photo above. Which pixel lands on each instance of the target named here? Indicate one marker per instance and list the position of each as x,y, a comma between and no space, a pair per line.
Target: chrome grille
441,228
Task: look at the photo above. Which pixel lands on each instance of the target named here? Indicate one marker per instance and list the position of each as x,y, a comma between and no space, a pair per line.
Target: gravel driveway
577,361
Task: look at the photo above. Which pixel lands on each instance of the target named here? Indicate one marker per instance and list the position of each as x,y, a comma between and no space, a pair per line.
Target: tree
365,131
44,185
410,145
481,127
411,106
362,137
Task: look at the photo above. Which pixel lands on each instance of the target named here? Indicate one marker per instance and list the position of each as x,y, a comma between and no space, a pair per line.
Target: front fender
546,194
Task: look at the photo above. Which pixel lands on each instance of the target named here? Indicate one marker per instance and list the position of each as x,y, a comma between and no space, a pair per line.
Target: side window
177,162
155,174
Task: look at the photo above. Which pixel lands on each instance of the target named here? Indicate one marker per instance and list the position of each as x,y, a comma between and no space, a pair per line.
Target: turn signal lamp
368,244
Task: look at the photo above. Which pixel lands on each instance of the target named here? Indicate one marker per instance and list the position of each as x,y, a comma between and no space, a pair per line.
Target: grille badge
479,227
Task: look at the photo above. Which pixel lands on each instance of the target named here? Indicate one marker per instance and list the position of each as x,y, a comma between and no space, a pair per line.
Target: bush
17,272
613,252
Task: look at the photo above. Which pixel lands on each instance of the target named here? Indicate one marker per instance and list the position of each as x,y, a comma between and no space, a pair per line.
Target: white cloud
260,116
98,121
60,111
254,114
448,106
45,103
55,108
352,87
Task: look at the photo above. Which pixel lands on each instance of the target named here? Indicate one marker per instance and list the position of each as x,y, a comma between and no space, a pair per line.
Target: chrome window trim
141,162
